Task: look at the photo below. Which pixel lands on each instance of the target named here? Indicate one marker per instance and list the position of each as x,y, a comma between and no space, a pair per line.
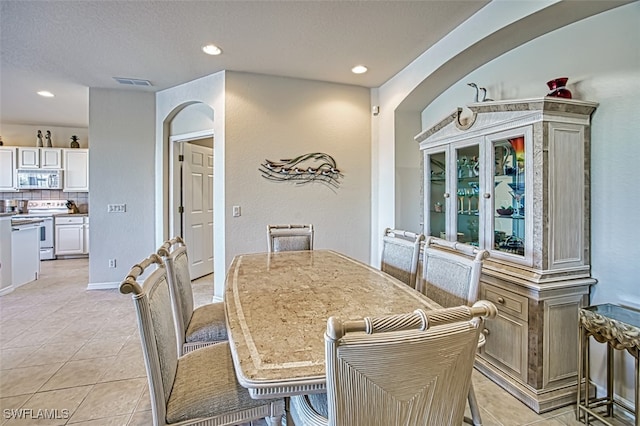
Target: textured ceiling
68,46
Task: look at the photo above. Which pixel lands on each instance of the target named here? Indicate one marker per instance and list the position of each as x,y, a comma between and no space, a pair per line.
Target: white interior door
197,201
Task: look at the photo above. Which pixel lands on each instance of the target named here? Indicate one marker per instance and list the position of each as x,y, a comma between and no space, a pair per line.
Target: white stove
45,210
46,207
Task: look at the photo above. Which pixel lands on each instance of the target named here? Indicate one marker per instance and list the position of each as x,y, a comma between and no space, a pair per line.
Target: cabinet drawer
69,220
506,302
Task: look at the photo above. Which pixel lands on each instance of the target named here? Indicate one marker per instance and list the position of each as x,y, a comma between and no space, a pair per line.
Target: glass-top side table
619,328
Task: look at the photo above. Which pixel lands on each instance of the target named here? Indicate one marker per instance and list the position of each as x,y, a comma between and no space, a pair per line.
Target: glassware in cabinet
467,190
510,157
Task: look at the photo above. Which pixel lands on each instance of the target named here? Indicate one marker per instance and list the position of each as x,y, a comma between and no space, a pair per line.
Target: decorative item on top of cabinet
532,154
558,88
48,138
39,143
74,142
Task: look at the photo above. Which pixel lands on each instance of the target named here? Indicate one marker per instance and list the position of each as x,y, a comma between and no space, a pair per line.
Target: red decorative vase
558,89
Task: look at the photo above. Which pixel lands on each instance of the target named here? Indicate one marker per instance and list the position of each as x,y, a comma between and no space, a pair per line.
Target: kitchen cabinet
514,180
25,253
86,235
5,253
39,158
7,169
70,236
76,170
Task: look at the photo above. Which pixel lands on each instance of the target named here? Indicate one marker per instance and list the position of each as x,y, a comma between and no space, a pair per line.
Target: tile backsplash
80,198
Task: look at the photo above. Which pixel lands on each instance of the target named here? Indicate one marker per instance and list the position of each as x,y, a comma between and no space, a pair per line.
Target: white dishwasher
25,253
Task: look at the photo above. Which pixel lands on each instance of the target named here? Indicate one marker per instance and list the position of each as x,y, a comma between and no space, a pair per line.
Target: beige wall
274,118
121,171
25,135
258,117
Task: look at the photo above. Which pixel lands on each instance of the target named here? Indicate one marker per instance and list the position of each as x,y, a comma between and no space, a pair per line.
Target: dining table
277,306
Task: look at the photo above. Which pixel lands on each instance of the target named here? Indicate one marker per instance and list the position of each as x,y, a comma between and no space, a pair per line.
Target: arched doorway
190,184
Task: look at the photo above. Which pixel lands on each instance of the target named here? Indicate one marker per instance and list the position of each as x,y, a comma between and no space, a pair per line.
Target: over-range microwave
39,179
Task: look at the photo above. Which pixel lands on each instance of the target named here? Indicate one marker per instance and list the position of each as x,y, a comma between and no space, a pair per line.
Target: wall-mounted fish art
307,168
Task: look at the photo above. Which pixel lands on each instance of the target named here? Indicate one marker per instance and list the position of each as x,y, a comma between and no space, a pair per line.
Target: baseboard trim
104,286
7,290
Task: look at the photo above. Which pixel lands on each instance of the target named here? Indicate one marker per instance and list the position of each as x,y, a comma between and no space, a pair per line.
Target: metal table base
619,328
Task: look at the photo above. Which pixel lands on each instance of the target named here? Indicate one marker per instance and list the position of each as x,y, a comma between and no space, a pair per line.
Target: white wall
276,118
209,91
494,30
193,118
408,178
121,170
602,61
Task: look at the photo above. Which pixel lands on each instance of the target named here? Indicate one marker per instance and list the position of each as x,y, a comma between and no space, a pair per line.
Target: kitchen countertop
25,221
71,214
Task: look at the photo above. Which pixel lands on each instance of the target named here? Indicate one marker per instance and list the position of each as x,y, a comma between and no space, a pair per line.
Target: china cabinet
39,158
513,178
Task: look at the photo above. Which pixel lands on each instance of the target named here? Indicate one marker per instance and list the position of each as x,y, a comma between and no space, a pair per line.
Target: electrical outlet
116,208
112,263
236,211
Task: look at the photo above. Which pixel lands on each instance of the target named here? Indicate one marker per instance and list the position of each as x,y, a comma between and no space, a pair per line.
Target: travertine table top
277,306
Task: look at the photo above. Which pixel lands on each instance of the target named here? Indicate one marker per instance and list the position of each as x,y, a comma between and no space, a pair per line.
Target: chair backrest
174,255
289,237
157,332
412,369
400,255
451,272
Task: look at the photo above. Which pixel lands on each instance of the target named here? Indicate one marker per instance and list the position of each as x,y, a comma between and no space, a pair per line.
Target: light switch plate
116,208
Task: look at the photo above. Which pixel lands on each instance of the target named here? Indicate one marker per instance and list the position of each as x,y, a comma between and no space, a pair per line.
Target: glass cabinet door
509,194
436,193
467,191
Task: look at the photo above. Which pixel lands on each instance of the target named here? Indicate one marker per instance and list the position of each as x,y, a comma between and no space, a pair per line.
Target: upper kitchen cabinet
39,158
7,169
514,179
76,170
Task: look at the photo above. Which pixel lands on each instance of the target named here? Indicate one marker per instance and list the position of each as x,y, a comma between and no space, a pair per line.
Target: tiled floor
77,354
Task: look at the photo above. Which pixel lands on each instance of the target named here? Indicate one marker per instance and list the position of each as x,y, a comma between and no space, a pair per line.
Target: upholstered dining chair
289,237
451,277
199,387
195,328
377,374
400,255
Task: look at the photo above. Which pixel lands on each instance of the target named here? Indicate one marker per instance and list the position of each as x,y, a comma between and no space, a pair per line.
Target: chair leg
274,420
475,420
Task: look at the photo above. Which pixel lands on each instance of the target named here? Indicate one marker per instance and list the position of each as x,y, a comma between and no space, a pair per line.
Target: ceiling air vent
133,81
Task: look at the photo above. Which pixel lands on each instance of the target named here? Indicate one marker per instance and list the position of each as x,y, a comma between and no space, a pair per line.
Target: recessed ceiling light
46,94
359,69
211,49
